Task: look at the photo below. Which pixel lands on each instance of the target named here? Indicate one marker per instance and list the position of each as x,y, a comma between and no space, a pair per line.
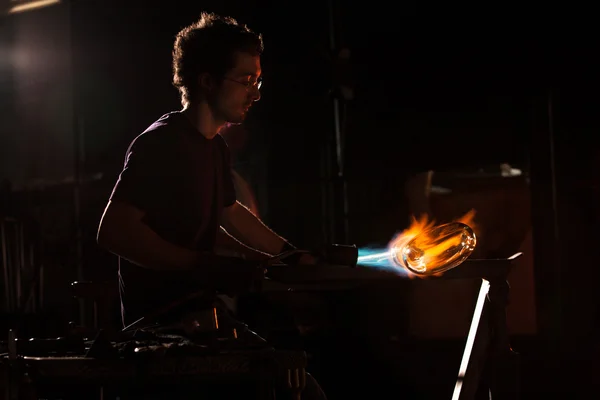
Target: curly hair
208,46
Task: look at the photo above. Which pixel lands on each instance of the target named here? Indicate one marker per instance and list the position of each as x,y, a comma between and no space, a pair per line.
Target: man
174,204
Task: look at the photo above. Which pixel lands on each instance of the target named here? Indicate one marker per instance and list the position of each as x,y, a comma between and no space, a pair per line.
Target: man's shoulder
160,133
171,120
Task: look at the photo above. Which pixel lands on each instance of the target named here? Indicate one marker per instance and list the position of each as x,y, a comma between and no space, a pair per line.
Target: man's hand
293,257
307,259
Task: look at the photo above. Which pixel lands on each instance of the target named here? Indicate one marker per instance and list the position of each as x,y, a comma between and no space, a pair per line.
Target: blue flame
380,259
373,257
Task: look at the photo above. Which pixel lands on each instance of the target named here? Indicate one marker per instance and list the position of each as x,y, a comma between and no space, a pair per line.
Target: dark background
446,90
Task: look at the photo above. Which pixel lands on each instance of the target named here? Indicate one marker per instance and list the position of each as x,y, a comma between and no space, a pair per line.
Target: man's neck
202,118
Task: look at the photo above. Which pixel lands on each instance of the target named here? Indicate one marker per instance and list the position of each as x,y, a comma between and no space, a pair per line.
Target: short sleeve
229,195
139,181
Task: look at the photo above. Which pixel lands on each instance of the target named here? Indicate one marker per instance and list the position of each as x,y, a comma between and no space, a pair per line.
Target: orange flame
431,247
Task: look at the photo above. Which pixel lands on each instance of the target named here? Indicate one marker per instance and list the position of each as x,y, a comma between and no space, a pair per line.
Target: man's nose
255,94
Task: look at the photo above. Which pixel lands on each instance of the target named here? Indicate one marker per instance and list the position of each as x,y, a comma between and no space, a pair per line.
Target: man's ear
206,82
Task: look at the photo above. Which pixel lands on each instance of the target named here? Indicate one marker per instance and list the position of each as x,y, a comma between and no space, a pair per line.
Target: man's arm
245,226
123,233
228,244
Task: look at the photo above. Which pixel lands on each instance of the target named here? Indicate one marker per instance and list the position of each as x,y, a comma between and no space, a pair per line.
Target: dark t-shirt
182,181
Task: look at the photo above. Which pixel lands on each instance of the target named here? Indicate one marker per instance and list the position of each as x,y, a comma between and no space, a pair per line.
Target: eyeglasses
249,85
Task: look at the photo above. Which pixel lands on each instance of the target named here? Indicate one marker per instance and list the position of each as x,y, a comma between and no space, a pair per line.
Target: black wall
441,93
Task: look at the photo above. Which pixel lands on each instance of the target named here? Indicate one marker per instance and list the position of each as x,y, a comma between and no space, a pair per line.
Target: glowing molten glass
438,249
428,249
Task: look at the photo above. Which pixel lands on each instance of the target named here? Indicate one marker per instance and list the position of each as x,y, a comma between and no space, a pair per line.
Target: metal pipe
338,135
78,153
558,284
5,266
34,296
20,264
41,287
326,196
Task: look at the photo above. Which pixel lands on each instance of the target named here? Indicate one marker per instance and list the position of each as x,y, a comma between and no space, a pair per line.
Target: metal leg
487,356
20,261
475,352
12,243
5,267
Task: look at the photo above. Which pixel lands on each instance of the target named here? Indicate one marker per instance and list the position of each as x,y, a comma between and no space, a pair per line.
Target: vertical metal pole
20,261
41,289
5,266
79,154
545,224
77,203
35,272
339,180
328,226
555,210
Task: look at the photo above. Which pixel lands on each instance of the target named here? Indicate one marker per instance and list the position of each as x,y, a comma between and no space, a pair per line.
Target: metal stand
334,188
488,362
22,279
78,130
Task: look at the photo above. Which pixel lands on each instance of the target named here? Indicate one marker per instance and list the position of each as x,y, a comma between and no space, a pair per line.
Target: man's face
239,89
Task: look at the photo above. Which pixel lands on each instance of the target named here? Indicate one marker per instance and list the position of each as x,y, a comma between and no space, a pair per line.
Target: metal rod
34,296
77,202
20,264
326,221
332,30
468,378
79,160
95,315
338,132
5,266
553,169
79,155
41,287
555,216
